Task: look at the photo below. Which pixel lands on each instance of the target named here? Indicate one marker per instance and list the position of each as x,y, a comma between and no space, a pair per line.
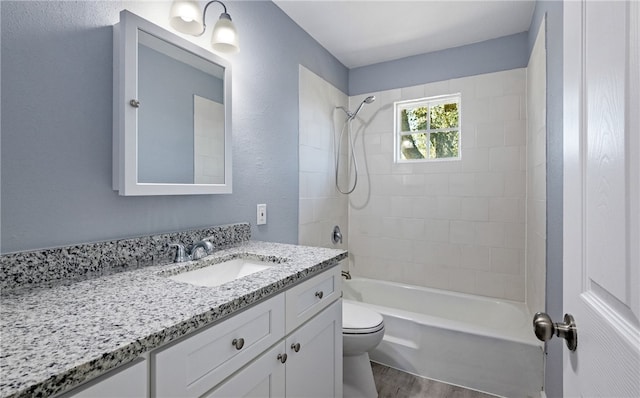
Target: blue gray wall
504,53
554,26
56,130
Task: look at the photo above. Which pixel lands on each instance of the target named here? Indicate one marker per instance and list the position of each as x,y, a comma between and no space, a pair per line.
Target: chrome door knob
545,328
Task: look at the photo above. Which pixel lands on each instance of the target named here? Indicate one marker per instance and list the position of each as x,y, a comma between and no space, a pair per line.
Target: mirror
172,104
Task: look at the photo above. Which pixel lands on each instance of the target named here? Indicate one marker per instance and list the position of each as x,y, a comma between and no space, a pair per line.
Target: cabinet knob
295,347
319,294
238,343
134,103
282,358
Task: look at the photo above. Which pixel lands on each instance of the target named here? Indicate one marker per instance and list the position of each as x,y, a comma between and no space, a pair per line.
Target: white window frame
399,106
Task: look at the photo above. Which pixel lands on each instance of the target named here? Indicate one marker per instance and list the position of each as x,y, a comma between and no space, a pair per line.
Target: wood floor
392,383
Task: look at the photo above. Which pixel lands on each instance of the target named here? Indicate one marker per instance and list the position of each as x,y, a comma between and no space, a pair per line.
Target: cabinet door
129,381
315,370
263,377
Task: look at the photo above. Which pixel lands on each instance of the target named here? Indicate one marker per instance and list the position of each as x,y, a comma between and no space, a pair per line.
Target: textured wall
503,53
321,205
56,129
457,225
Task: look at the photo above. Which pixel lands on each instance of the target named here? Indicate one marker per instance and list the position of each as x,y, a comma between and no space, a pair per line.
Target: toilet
362,331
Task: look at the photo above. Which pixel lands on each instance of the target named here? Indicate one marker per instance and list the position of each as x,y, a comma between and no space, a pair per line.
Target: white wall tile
455,225
320,206
413,92
514,288
504,158
489,184
475,160
462,184
506,210
489,85
476,257
490,284
448,207
489,134
490,234
474,209
436,230
461,280
463,232
506,261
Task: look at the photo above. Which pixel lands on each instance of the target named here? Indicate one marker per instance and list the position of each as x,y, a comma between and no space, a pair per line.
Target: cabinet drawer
197,363
308,298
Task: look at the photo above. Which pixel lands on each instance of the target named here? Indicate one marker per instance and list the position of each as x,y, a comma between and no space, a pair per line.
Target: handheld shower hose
351,144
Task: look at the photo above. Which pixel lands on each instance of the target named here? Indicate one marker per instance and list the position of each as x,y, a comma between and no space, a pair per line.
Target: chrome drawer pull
282,358
238,343
319,294
295,347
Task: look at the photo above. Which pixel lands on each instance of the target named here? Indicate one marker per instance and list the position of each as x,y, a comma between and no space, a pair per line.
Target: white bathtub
471,341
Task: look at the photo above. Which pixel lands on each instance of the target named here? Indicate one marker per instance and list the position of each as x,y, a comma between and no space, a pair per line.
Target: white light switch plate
262,214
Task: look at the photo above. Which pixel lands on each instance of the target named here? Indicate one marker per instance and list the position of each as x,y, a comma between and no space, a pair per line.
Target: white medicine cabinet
172,113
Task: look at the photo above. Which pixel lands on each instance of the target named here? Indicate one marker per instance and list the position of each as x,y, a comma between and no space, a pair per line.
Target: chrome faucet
181,255
346,274
193,252
205,245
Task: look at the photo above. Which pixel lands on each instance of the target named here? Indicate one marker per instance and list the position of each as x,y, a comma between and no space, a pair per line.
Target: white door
601,197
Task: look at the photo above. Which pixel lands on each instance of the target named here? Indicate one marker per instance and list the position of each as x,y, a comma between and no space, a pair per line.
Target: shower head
367,100
351,115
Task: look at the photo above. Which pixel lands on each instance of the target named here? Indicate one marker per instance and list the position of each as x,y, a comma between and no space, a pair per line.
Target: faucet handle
181,255
208,246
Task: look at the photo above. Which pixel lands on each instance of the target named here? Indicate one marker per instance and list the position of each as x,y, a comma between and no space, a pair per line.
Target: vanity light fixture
185,17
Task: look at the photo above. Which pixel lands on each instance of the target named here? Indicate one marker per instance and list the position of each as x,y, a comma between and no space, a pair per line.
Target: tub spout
346,274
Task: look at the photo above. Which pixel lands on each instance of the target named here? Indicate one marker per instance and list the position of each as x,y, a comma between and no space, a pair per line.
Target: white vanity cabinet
308,363
289,345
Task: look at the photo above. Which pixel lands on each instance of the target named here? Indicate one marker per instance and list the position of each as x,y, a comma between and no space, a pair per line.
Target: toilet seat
357,319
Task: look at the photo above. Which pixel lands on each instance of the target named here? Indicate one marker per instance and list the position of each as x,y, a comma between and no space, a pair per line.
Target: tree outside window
428,129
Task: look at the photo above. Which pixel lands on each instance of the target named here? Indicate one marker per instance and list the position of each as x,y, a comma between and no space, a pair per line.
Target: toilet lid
358,319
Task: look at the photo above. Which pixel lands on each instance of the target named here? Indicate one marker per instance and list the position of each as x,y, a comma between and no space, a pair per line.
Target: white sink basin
217,274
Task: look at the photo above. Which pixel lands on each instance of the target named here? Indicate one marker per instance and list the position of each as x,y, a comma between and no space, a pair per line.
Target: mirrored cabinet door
172,113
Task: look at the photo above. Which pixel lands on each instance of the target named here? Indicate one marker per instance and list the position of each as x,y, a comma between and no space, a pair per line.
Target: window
427,129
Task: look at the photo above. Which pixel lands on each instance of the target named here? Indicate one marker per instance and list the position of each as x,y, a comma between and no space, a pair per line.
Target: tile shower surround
453,225
69,263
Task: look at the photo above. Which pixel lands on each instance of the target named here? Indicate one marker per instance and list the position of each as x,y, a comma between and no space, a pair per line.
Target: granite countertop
53,339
